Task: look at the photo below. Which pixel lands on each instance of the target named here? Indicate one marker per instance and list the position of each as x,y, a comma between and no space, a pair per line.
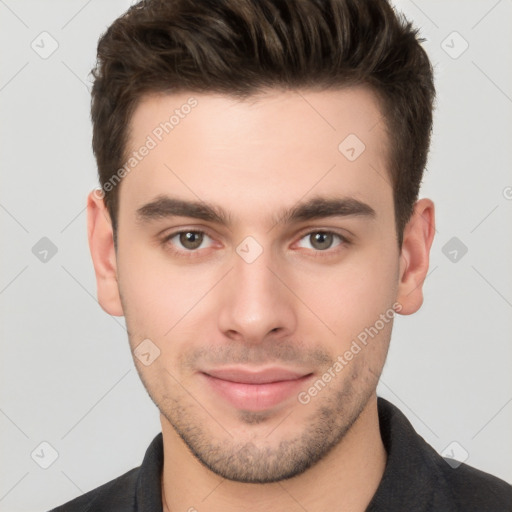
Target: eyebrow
320,207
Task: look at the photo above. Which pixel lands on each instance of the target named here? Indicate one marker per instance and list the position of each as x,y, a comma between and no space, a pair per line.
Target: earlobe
414,257
101,245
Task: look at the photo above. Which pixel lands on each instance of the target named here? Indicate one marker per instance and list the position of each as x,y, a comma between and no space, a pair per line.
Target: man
259,226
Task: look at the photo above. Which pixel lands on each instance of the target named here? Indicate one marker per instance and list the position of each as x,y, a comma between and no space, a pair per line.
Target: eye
189,240
321,240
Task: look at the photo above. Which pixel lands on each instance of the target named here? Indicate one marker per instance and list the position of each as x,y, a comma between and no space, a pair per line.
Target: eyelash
193,253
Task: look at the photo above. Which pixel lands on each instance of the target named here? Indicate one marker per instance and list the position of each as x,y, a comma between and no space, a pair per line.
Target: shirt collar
149,488
411,472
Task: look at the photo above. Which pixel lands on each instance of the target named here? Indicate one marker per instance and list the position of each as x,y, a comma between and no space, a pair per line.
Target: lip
256,390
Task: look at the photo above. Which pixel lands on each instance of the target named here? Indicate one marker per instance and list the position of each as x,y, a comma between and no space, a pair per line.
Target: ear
414,256
101,245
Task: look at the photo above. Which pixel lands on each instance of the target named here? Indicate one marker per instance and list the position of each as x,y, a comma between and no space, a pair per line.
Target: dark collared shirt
416,479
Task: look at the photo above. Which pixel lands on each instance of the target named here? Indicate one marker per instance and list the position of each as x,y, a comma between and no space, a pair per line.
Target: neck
346,479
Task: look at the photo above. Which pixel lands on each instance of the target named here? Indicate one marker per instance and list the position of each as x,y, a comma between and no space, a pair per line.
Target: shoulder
459,487
473,490
418,478
118,495
136,489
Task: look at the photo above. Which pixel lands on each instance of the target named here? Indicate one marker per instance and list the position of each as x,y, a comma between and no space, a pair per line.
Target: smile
255,390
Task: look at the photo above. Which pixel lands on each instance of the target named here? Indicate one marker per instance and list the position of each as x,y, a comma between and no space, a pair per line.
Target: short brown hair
241,47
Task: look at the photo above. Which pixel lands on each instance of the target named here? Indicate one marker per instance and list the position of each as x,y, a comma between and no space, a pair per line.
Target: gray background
67,376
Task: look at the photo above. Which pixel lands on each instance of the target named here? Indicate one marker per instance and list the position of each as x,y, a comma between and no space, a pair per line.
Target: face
257,264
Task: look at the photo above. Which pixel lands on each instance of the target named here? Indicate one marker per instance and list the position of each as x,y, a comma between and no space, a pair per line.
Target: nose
255,304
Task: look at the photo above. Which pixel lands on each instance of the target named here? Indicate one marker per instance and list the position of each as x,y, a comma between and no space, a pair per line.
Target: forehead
210,117
274,146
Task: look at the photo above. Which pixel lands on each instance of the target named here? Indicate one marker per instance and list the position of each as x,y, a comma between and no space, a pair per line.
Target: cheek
157,294
148,290
354,295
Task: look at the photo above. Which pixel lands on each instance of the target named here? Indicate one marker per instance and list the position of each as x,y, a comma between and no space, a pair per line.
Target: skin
296,306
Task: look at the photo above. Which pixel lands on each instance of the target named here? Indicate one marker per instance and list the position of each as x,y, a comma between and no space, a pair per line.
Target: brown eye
188,243
191,239
321,241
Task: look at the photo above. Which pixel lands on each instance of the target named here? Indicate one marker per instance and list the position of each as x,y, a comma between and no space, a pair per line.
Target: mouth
256,390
